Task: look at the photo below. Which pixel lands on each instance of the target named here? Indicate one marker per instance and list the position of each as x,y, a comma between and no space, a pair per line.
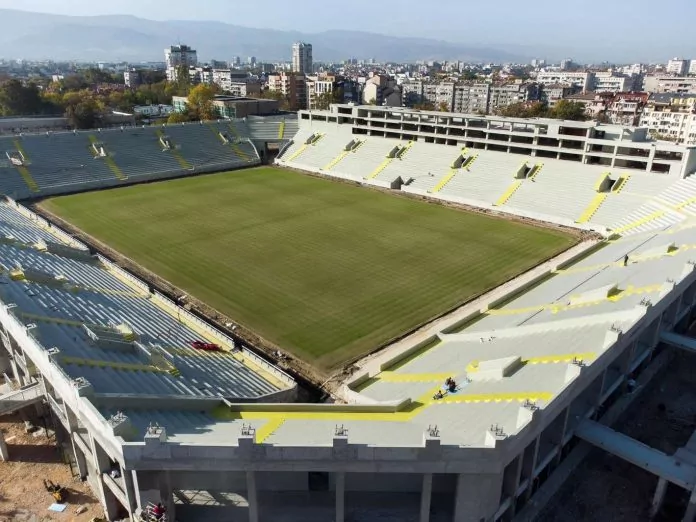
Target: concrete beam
674,470
340,496
426,496
679,341
252,497
659,497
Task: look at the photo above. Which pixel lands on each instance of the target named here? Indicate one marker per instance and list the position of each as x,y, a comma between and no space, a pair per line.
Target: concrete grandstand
217,436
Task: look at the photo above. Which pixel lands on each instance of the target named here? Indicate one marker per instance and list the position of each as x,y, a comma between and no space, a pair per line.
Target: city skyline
578,33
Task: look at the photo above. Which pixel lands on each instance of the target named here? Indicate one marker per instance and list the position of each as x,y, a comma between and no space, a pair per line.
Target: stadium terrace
463,419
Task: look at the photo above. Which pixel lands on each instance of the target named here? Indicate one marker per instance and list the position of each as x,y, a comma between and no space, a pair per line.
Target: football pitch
325,270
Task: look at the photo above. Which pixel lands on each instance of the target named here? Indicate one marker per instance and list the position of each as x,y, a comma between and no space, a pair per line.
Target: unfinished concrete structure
217,436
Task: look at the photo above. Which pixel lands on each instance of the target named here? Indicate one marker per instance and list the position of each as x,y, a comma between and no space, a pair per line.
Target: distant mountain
36,36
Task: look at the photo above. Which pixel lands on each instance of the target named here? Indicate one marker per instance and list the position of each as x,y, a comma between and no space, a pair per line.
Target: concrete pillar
80,459
4,455
252,498
659,497
690,514
426,494
340,496
167,495
129,490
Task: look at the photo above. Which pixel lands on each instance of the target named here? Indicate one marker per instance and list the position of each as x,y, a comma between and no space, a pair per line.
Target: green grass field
326,270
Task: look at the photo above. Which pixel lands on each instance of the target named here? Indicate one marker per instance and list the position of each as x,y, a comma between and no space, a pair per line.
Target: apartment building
177,56
318,86
440,94
292,86
226,77
302,58
132,78
626,108
554,92
671,117
583,80
381,90
502,96
612,82
677,66
472,98
669,84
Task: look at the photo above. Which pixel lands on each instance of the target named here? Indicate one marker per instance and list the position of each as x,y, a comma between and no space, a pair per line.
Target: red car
208,347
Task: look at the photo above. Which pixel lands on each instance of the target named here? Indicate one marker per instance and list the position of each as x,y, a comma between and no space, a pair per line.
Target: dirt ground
22,494
606,488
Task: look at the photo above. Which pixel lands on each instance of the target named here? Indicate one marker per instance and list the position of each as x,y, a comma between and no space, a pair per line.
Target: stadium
358,313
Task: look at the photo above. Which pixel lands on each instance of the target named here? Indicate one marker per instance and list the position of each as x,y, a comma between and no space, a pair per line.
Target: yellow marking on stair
592,208
268,429
20,148
127,367
685,203
404,150
337,160
561,358
444,181
381,167
215,130
555,308
635,224
234,130
281,130
239,152
508,193
298,152
177,155
621,183
600,181
115,169
469,162
388,376
55,320
536,170
23,170
459,398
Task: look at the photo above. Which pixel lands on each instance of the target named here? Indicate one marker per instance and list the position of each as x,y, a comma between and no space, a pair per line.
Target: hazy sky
639,29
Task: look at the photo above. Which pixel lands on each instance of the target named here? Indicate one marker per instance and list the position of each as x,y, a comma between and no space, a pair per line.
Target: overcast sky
584,29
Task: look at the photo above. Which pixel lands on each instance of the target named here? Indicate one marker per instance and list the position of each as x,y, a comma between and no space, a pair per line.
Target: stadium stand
55,163
529,366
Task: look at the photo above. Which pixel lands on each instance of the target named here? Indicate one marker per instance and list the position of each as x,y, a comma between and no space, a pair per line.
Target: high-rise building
677,66
178,56
302,58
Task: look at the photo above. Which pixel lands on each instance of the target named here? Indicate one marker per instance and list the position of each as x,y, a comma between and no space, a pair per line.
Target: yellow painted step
177,155
298,152
639,222
337,160
621,183
537,169
444,181
508,193
239,152
23,170
381,167
592,208
27,177
281,130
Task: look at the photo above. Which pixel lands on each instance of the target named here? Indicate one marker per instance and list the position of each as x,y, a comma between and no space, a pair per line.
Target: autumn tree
17,99
200,102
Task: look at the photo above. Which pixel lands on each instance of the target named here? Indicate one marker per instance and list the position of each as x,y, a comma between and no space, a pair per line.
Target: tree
323,101
443,107
200,102
178,117
568,110
83,109
424,106
17,99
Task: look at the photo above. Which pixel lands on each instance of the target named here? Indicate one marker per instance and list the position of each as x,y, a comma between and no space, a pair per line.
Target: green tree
425,106
323,101
17,99
83,109
443,107
568,110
